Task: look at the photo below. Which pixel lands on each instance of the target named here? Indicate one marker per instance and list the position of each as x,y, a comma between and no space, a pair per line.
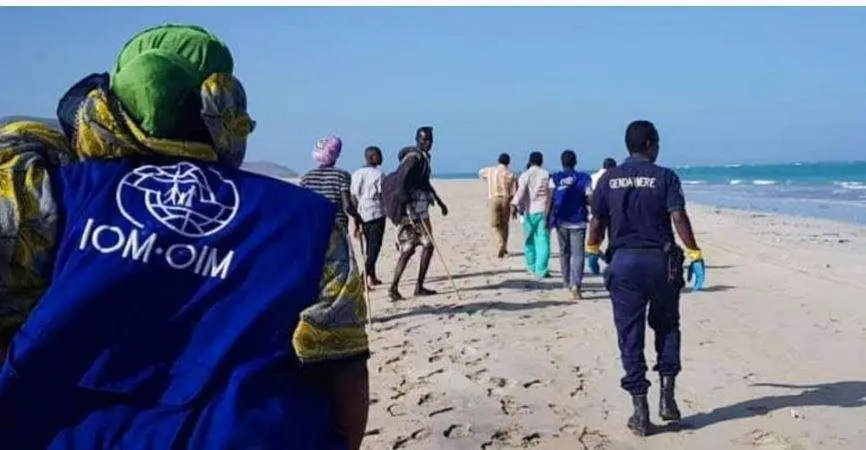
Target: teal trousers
536,245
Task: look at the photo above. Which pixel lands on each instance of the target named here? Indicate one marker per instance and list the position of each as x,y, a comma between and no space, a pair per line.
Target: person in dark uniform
636,203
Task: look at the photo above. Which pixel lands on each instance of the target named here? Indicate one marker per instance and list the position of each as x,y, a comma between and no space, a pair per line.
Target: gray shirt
367,189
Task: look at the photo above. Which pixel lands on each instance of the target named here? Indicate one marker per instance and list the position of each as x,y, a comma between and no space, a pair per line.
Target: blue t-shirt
636,199
169,319
569,206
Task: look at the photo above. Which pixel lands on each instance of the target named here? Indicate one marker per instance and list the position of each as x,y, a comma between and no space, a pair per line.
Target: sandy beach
772,349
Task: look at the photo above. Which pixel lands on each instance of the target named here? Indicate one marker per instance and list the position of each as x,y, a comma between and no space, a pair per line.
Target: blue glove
697,269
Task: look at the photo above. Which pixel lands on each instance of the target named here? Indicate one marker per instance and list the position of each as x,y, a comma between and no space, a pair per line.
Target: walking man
568,215
635,203
407,195
607,164
533,194
501,184
366,191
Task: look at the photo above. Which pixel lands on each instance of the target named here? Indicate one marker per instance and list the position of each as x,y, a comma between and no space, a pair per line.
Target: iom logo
183,197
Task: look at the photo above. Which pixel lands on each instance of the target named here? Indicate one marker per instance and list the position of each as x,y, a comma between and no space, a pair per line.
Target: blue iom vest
569,196
168,324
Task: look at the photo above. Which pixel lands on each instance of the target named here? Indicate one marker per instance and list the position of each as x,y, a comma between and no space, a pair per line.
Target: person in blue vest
155,295
635,204
567,214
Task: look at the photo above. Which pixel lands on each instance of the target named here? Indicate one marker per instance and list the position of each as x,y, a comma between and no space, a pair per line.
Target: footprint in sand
530,440
389,327
768,439
510,408
498,382
431,374
476,376
436,355
577,390
581,379
532,383
561,411
478,360
592,439
403,441
429,397
441,411
499,437
395,410
456,431
400,345
512,437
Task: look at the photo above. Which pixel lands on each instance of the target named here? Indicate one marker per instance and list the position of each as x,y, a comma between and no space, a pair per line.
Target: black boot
639,422
667,404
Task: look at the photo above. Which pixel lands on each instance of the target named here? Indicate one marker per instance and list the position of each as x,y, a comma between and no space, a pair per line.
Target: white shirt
597,176
367,189
533,191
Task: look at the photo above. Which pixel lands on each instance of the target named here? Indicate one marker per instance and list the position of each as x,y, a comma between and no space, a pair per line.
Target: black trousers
374,232
638,279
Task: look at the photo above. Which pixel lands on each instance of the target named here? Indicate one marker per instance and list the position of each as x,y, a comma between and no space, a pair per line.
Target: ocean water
829,190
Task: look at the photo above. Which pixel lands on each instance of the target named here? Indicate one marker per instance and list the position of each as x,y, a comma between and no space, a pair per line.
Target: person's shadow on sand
843,394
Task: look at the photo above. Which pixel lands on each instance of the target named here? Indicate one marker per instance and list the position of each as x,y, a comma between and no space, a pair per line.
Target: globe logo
183,197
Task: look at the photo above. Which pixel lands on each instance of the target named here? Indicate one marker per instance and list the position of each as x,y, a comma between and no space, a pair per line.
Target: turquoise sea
830,190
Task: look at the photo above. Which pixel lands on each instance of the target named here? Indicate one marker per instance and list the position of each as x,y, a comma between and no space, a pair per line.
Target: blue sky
723,85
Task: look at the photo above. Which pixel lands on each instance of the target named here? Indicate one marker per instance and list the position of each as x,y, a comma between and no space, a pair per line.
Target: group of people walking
545,203
370,197
242,325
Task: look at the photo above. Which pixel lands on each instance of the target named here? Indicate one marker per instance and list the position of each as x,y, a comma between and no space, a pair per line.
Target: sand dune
772,350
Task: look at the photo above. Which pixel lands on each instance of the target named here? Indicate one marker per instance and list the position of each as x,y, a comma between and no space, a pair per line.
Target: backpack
396,187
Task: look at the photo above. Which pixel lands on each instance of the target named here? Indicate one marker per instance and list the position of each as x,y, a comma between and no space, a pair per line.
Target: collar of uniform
636,159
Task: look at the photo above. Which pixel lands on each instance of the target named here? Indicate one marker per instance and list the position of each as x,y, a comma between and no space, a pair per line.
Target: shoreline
839,211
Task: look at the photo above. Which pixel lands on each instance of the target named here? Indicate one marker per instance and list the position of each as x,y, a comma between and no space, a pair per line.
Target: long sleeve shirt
533,191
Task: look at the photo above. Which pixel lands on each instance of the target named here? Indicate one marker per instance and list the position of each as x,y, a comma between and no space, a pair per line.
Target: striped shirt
330,183
501,182
367,190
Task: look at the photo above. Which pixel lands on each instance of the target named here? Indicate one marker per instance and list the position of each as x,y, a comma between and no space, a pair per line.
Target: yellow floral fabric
28,217
333,328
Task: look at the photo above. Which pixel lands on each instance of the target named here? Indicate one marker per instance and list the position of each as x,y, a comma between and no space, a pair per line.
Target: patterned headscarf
224,111
327,151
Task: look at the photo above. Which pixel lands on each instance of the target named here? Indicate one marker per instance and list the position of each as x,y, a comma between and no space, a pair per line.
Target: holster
675,260
607,273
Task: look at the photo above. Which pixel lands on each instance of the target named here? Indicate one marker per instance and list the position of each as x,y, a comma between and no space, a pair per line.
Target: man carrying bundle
407,194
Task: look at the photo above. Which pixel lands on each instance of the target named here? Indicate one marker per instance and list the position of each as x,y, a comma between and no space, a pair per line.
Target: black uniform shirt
636,199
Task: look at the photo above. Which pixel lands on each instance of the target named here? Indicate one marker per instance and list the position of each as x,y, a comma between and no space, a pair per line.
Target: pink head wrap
327,150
